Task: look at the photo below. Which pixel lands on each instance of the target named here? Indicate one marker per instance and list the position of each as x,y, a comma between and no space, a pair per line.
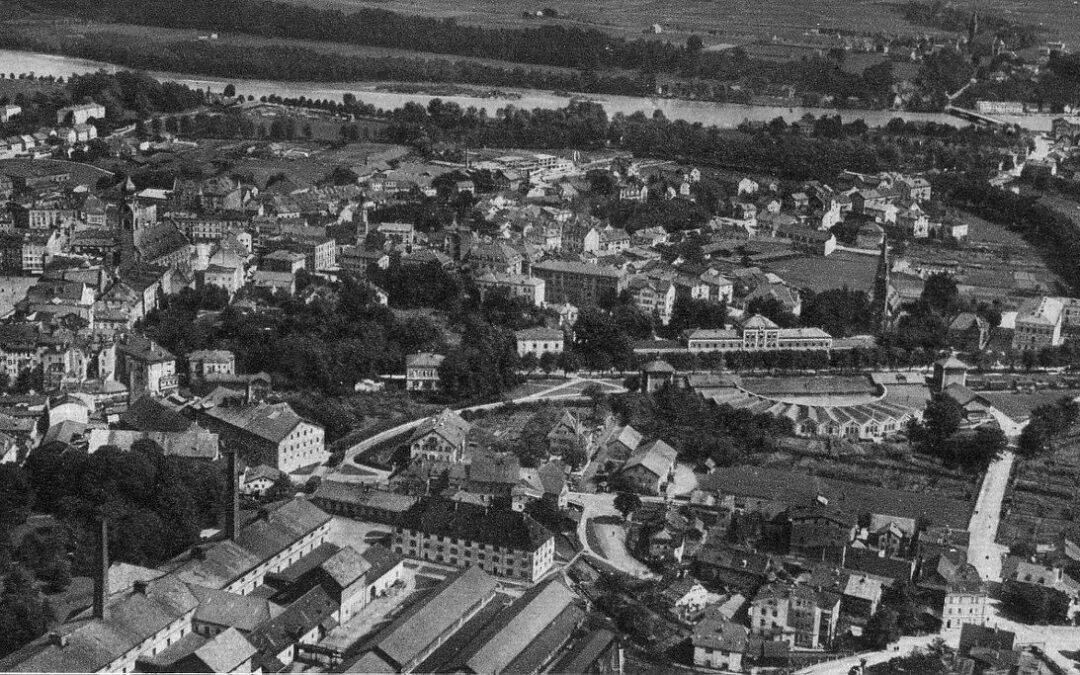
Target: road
983,550
603,504
903,647
551,393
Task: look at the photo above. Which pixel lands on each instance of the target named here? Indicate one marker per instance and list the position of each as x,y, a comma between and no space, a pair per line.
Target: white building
540,341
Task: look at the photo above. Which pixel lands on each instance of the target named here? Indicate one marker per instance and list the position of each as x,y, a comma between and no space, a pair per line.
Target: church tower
884,297
126,223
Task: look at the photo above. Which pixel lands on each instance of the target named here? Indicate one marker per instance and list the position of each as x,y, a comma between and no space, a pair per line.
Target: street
983,550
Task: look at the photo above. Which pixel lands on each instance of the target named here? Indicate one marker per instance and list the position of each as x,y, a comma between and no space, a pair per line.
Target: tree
16,497
942,418
24,614
941,294
882,629
229,91
529,362
626,503
840,312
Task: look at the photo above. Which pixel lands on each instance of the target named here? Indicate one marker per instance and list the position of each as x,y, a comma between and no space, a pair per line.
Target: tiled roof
448,424
494,526
272,422
657,457
314,608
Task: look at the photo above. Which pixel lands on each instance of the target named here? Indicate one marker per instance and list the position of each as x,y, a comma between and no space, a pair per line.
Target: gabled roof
314,608
270,421
448,424
414,631
657,457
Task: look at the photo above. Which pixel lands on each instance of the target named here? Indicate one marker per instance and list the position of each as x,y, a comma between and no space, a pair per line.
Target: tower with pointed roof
885,299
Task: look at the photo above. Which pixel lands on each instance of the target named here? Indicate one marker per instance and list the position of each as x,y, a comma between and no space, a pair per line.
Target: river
727,115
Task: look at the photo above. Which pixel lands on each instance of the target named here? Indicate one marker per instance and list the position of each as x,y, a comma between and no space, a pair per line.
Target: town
307,386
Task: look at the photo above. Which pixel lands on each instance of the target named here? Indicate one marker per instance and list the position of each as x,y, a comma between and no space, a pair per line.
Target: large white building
517,285
1038,323
757,333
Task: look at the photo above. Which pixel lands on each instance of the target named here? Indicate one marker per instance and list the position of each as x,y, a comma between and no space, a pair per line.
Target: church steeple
883,291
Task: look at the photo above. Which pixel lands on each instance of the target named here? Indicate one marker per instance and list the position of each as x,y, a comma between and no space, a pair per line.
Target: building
650,467
398,233
500,541
1039,323
80,114
757,333
495,258
821,532
540,341
529,288
966,601
580,284
655,297
422,371
803,617
655,375
145,367
524,635
205,362
719,643
441,438
270,434
422,628
283,261
361,501
968,332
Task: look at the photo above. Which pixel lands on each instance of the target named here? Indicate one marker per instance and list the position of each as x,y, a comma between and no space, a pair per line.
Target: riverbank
724,115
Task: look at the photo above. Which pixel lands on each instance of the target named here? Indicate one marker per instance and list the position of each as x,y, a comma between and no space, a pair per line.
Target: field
1042,500
70,30
721,21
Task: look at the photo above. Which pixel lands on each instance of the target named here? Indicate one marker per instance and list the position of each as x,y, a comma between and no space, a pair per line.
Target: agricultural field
843,268
721,21
1042,501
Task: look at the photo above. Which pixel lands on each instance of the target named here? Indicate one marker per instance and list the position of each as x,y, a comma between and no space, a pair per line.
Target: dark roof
869,562
974,635
314,608
494,526
585,652
381,560
270,421
148,414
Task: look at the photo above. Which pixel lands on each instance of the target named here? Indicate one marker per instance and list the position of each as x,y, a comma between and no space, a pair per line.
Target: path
983,550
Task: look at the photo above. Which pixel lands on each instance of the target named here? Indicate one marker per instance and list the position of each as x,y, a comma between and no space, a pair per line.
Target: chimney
198,552
141,585
232,495
101,573
58,639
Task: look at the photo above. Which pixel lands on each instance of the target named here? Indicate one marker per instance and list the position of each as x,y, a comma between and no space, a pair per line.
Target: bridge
973,116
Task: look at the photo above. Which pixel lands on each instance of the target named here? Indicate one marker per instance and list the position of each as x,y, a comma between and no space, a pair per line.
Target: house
440,438
362,501
719,643
819,531
655,297
270,434
968,332
650,468
523,286
422,371
540,341
966,601
304,622
803,617
621,442
256,480
205,362
655,375
339,571
553,481
144,366
731,568
566,434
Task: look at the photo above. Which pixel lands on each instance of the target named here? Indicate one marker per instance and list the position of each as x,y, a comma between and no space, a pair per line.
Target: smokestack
232,494
101,572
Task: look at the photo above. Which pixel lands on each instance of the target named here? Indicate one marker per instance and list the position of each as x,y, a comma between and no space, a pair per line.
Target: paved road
983,550
603,504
